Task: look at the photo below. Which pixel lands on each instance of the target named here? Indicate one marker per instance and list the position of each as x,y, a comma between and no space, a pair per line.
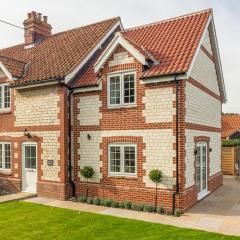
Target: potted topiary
156,176
87,172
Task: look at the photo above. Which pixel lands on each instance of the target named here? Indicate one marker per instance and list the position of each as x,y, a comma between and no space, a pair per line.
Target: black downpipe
177,151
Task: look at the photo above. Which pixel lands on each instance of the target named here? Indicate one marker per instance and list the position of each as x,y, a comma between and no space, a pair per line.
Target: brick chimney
36,28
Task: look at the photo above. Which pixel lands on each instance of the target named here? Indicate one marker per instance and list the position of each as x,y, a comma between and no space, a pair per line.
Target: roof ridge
88,25
68,30
168,20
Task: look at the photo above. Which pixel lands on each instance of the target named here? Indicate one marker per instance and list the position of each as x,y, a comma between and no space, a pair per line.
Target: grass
21,220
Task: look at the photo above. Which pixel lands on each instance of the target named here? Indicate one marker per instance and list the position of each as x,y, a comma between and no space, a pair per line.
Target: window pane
129,160
7,156
129,89
6,97
30,157
1,155
33,157
115,159
115,90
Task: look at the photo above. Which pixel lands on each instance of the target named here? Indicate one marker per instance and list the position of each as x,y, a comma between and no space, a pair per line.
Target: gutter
177,144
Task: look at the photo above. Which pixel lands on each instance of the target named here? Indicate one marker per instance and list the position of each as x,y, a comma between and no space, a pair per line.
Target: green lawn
20,220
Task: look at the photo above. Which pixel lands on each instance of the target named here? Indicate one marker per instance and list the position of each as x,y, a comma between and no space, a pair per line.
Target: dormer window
5,98
121,89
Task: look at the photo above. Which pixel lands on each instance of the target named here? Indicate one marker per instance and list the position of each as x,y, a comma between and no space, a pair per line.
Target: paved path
16,196
219,212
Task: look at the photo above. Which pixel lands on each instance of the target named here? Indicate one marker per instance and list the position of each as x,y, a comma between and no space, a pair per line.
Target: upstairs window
5,99
5,156
121,89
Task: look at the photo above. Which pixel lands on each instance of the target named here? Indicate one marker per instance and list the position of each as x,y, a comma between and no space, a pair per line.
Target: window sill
6,172
122,106
129,177
2,112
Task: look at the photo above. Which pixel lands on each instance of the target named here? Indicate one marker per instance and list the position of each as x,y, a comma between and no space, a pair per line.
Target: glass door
201,169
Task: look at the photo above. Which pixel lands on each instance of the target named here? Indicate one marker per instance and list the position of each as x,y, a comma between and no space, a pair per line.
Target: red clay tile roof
16,68
172,42
230,124
58,55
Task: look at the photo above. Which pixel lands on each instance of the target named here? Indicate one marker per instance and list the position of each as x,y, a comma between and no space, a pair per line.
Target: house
231,126
122,101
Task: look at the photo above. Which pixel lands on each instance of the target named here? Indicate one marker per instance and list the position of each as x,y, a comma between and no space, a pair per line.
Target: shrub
148,208
177,213
127,204
82,199
108,203
231,143
114,204
161,210
90,200
102,202
121,205
137,207
156,176
96,201
87,172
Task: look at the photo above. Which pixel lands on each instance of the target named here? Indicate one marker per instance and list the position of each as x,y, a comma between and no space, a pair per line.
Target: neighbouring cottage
230,126
122,101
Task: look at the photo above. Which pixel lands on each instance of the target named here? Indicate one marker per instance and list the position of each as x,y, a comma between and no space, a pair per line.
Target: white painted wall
89,107
159,152
201,108
207,43
204,70
159,105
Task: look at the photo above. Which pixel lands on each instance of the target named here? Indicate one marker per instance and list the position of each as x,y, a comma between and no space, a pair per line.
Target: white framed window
5,97
122,159
122,89
5,156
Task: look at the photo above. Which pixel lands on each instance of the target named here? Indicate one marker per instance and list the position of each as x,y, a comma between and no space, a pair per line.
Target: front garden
21,220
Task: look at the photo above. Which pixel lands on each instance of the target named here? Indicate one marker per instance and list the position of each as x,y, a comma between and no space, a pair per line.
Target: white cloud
74,13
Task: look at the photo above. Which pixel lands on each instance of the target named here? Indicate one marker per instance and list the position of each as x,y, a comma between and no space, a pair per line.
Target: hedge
231,143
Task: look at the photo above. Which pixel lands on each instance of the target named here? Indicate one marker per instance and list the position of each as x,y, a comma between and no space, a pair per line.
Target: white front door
29,167
201,169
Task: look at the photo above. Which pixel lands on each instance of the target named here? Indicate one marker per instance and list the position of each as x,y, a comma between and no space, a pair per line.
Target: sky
67,14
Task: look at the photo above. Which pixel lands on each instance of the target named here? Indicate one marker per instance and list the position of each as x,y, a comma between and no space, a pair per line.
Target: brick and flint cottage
122,101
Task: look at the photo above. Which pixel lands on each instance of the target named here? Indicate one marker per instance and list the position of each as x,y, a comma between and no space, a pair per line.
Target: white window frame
121,75
3,169
3,108
122,160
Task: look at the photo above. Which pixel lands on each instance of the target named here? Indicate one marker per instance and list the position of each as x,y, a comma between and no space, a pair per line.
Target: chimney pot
39,16
34,15
45,18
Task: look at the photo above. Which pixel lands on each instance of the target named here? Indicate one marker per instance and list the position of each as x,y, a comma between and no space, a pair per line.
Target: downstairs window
123,159
5,156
